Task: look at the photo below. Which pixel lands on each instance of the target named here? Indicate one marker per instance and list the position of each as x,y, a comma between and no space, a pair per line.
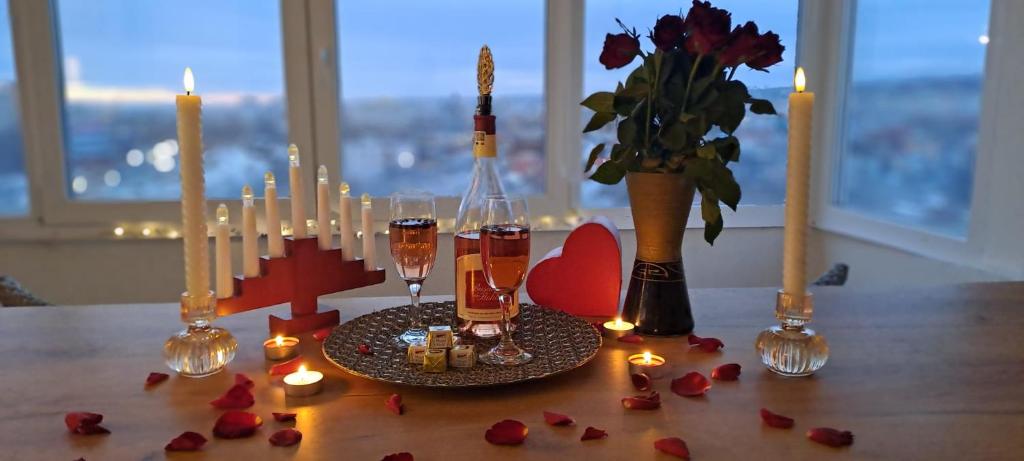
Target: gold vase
657,300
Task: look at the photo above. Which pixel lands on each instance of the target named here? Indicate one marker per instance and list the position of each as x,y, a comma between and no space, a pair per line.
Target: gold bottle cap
485,71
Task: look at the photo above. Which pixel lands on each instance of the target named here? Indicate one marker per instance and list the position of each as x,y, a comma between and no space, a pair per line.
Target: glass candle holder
792,349
201,349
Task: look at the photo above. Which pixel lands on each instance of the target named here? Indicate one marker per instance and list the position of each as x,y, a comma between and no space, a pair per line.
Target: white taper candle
225,284
297,197
801,111
250,239
345,223
193,194
323,209
275,244
369,246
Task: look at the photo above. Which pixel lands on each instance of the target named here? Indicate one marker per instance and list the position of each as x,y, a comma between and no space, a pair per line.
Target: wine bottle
476,303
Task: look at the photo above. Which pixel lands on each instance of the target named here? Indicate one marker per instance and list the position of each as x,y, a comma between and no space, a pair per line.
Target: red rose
769,51
668,32
742,47
708,28
619,50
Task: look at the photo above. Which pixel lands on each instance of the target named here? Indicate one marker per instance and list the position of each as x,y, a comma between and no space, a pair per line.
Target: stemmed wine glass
413,237
505,254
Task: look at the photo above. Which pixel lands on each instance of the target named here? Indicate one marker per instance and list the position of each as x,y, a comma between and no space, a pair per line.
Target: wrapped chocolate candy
416,353
440,337
435,361
462,356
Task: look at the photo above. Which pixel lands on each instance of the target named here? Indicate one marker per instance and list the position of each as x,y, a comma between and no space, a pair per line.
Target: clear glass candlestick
792,349
201,349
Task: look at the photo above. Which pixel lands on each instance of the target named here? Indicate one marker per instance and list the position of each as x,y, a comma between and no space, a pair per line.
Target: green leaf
609,173
698,170
761,106
600,102
709,209
673,136
712,229
706,151
729,108
599,120
618,151
725,186
596,151
728,148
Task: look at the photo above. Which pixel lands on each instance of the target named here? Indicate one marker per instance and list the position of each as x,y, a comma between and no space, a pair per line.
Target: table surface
929,373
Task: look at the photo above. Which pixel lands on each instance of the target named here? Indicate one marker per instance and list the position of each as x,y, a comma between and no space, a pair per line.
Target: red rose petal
394,403
692,384
242,379
507,432
674,446
705,344
558,419
85,423
155,378
365,349
283,417
641,381
236,398
776,420
285,368
592,433
187,441
642,402
322,334
632,339
830,437
693,339
235,424
727,372
285,437
398,457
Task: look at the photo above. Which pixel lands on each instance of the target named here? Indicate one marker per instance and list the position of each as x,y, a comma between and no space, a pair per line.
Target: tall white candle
297,198
225,284
250,241
369,247
275,244
193,194
345,223
323,209
801,111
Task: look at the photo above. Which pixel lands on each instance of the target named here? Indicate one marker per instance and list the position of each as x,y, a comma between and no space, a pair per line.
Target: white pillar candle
297,198
193,194
225,284
275,244
369,249
323,209
345,223
250,241
801,111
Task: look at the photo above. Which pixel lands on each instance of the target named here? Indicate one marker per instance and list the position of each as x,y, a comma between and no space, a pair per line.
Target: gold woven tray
558,341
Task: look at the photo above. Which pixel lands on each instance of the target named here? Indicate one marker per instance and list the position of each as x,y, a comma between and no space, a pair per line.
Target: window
408,92
123,61
912,111
14,199
762,169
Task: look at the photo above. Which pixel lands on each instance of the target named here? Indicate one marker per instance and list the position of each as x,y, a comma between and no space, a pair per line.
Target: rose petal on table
705,344
85,423
155,378
365,349
403,456
674,446
285,437
285,368
830,437
235,424
642,402
692,384
236,398
632,339
322,333
242,379
693,339
641,381
558,419
593,433
507,432
776,420
727,372
283,417
187,441
394,404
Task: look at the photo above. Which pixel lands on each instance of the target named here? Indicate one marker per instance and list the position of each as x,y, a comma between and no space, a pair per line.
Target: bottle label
484,145
475,300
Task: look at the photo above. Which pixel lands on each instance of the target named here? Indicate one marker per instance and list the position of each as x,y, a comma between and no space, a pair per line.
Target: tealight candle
651,365
303,383
617,328
281,348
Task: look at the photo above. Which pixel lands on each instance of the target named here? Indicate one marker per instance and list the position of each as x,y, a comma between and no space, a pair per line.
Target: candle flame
365,199
344,189
189,80
321,174
800,80
279,341
618,322
302,369
647,358
293,155
222,214
268,180
246,193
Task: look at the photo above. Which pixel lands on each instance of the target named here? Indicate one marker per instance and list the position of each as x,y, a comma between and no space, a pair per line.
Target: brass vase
657,300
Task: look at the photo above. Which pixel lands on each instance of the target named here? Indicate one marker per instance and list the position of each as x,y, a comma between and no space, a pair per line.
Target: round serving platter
558,341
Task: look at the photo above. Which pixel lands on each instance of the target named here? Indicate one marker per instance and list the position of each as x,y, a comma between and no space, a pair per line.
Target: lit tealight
281,348
618,328
303,383
647,363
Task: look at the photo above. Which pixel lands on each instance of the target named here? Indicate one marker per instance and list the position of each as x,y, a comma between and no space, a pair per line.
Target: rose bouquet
677,112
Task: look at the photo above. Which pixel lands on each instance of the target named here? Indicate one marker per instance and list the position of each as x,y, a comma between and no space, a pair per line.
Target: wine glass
413,236
505,254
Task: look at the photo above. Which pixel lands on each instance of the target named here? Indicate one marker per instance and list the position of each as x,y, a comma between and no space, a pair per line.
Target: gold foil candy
440,337
462,356
435,361
416,353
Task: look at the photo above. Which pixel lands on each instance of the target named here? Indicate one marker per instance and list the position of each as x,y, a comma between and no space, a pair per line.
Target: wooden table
930,373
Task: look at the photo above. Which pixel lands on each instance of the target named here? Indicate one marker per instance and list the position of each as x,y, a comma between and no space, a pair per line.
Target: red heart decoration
584,276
